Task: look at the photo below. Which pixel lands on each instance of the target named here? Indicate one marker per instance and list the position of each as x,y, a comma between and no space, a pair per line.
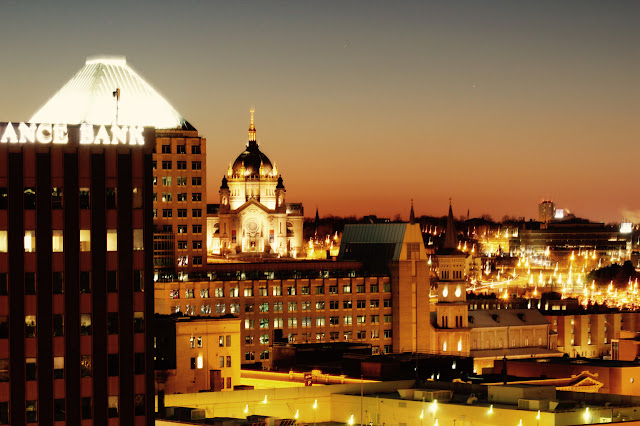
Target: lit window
3,242
138,240
29,241
57,243
112,240
85,240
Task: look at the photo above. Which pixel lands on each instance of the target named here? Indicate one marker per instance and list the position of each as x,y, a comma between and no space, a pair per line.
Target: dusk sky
365,105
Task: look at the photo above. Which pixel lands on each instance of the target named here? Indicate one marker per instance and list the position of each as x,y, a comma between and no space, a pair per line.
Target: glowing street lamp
351,421
265,399
315,406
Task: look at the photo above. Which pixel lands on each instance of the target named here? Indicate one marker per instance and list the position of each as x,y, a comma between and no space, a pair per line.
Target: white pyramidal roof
89,97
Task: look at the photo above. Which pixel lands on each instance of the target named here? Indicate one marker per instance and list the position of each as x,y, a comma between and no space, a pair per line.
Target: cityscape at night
361,213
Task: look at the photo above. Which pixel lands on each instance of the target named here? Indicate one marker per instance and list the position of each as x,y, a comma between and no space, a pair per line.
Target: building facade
75,259
179,202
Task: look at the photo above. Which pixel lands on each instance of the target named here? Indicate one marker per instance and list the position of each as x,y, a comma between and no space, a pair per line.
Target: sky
365,105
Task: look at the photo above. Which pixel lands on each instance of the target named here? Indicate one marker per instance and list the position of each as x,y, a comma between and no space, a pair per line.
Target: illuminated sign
559,214
84,134
626,228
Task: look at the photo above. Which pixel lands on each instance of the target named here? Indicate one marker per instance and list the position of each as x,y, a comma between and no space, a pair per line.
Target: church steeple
412,215
451,234
252,128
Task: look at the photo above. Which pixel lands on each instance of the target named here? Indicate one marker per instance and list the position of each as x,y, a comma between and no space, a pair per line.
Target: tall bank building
78,201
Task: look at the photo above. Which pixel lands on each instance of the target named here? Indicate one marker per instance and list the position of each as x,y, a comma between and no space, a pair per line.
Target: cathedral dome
252,161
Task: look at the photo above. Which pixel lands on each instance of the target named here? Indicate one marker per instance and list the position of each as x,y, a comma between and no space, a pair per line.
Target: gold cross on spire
252,110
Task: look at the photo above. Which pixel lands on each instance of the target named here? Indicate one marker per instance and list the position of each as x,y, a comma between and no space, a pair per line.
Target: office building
75,261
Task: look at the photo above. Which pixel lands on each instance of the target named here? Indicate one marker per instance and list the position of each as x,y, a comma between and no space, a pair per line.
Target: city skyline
365,106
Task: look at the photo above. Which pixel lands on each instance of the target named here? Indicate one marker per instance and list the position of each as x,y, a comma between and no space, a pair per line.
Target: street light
421,416
315,405
351,420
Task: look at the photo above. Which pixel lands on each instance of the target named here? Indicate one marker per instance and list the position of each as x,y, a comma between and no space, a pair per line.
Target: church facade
253,217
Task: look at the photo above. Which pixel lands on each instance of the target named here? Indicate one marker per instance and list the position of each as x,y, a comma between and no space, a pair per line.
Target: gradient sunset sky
364,105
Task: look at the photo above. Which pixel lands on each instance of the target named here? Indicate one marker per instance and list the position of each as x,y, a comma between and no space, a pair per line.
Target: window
30,326
248,291
360,288
373,288
112,281
388,334
264,339
319,306
85,282
182,212
375,319
138,322
182,229
166,165
334,320
181,165
348,320
292,322
111,198
197,245
85,240
86,407
197,229
29,241
361,319
334,304
112,240
386,287
58,325
166,149
85,324
182,245
374,303
277,323
291,290
249,356
29,198
182,196
166,181
112,323
136,200
320,322
112,406
228,340
248,324
333,289
305,290
277,306
319,289
86,367
138,239
58,367
167,197
58,409
84,200
57,243
181,149
204,293
113,365
4,242
196,212
388,319
233,292
195,149
334,335
31,371
362,334
32,411
4,197
138,407
248,307
264,355
4,327
196,196
188,293
292,306
29,283
196,181
387,303
196,165
219,292
346,289
181,181
347,304
263,307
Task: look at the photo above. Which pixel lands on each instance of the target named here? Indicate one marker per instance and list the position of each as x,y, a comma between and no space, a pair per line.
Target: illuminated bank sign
62,134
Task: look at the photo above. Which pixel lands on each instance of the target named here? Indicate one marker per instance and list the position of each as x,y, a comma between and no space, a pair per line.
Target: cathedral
253,217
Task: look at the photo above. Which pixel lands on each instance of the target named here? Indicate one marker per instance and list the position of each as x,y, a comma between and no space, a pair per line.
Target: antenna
116,94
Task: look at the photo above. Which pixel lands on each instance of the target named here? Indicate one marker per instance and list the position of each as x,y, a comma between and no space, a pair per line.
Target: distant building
253,218
546,211
195,354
